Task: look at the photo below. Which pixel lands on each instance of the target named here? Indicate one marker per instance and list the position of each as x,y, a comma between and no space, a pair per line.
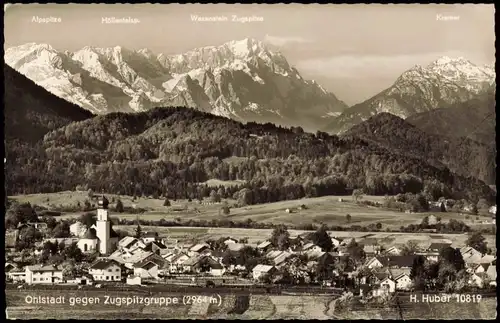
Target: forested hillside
30,111
462,155
167,151
474,119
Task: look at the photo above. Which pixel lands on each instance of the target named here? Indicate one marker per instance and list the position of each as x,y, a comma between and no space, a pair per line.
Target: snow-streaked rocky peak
240,79
443,83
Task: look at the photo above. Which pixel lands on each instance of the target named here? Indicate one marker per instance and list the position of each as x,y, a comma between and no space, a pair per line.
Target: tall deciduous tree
477,241
322,239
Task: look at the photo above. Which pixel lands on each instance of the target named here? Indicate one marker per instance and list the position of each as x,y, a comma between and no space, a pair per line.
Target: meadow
254,236
331,210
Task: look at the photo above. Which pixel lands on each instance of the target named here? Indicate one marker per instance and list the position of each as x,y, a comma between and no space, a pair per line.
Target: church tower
103,226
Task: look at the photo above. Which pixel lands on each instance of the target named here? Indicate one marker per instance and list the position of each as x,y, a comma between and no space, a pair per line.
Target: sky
354,51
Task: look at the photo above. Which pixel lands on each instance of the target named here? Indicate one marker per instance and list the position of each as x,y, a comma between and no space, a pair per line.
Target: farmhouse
106,270
373,263
230,240
85,279
388,284
371,250
156,247
264,246
261,271
134,280
280,259
11,239
469,252
438,246
482,268
403,282
492,274
17,276
432,219
335,242
177,262
487,259
8,267
308,247
393,251
191,265
149,237
476,280
390,262
199,248
314,254
129,243
147,269
216,269
129,258
385,287
39,274
431,256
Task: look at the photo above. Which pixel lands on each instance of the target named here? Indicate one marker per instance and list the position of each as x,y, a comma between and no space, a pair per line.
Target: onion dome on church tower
103,202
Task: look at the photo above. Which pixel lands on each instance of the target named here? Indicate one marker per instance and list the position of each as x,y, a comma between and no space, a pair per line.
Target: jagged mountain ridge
461,155
242,80
443,83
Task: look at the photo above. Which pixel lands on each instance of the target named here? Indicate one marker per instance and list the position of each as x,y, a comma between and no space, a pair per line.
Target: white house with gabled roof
39,274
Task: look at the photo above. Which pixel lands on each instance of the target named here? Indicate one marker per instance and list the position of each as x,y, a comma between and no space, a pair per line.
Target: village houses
39,274
106,270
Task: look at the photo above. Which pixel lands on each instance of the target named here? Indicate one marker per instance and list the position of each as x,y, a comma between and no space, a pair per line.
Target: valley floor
331,210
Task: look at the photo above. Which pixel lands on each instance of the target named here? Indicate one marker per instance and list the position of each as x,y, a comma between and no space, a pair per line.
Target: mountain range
173,151
444,83
242,80
68,124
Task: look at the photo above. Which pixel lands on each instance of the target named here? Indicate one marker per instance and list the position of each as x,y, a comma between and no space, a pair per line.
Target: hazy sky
354,51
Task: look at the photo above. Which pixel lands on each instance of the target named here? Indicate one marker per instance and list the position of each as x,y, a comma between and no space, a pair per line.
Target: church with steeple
100,237
107,237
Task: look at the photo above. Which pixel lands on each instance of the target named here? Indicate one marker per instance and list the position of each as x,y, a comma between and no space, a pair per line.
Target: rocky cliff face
242,80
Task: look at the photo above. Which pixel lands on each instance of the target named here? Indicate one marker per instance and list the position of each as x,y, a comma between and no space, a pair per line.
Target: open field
484,310
190,234
328,209
231,307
